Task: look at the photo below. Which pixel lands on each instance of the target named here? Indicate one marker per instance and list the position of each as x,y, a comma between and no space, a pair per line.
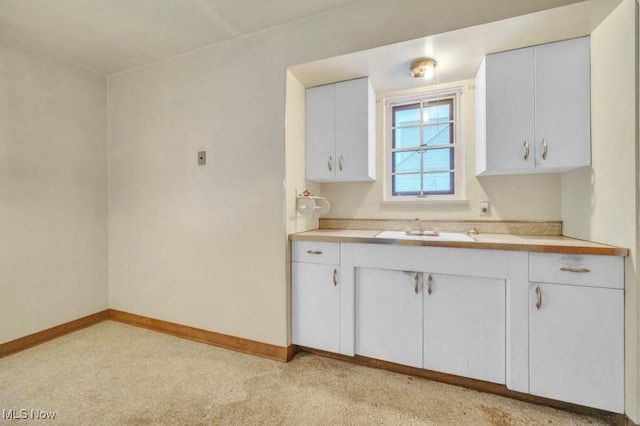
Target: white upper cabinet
509,108
340,132
533,109
320,133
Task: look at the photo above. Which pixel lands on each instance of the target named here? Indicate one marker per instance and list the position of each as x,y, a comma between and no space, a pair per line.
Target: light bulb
429,71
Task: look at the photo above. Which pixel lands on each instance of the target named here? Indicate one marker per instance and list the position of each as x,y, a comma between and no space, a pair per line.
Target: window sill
423,201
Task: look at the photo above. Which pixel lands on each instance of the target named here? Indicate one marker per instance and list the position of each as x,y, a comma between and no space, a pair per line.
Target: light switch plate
485,208
202,158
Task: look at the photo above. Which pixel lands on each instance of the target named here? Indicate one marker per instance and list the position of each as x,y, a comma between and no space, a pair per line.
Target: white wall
295,180
201,245
295,158
53,190
523,197
601,203
206,246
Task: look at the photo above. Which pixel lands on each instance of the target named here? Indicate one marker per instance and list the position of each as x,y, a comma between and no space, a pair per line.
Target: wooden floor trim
34,339
292,350
266,350
285,354
479,385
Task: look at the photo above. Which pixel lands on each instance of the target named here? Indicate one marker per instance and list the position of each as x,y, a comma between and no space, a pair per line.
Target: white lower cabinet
464,326
389,315
576,329
468,312
576,351
315,297
448,322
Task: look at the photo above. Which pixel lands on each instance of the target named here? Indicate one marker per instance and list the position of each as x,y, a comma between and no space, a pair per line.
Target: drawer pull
314,252
330,163
576,270
416,279
538,298
545,149
335,277
429,284
526,150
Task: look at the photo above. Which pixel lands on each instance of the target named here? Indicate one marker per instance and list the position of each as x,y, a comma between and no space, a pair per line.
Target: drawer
577,269
315,252
438,260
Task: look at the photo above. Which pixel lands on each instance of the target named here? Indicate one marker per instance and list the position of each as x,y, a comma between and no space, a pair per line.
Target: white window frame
455,93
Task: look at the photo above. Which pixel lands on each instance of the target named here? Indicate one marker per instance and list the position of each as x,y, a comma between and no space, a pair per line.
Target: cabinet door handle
526,150
577,270
340,163
538,298
314,252
335,277
545,149
330,163
429,284
416,280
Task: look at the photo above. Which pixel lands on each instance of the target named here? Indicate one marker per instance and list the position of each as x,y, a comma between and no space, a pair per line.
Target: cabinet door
576,345
389,316
315,306
353,131
562,111
464,326
510,101
320,132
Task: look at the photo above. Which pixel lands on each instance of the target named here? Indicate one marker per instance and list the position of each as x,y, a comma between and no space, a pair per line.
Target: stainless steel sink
442,236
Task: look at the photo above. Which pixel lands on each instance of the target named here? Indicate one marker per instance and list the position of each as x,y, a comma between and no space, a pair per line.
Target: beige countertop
533,243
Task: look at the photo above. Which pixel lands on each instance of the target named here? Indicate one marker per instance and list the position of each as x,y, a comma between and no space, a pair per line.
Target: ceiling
111,36
459,52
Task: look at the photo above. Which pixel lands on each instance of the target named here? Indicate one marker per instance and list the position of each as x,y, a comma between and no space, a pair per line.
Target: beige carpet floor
115,374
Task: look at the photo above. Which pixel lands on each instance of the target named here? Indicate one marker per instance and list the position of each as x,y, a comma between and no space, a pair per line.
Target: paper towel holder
308,205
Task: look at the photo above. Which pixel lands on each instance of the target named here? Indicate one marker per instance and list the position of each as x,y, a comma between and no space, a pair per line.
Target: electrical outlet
485,208
202,158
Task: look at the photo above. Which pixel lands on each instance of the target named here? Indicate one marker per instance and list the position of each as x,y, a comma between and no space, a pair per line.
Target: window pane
406,137
437,111
438,159
438,183
406,184
406,161
422,146
437,134
406,115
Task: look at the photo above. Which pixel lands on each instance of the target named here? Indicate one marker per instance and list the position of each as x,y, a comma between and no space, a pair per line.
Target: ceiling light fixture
425,68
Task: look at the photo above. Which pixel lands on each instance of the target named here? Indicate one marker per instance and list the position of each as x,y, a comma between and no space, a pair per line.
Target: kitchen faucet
421,231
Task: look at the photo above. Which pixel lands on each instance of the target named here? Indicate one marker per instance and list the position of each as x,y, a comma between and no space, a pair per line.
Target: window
423,150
